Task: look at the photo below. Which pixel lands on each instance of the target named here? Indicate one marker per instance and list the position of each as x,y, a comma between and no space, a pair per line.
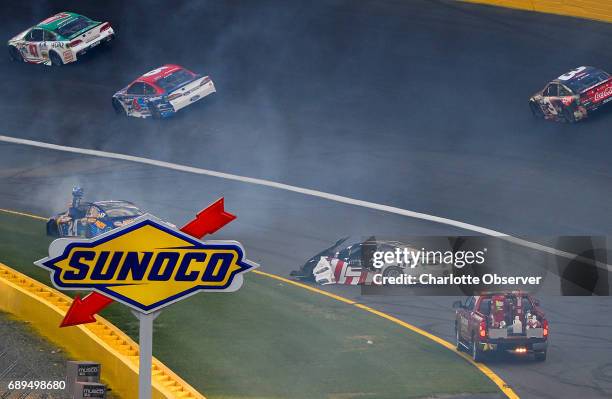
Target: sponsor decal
55,17
603,94
567,100
68,56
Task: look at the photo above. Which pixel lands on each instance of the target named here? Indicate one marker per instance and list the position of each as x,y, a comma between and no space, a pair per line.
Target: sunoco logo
146,265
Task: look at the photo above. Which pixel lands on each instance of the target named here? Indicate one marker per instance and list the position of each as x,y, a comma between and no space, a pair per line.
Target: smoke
382,101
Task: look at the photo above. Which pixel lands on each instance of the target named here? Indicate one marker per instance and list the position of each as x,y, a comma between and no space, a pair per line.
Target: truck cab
501,322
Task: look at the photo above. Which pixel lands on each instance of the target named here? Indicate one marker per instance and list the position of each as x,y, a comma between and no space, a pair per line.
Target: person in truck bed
501,322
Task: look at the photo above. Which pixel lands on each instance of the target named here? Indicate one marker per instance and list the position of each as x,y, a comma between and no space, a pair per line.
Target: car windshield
173,81
73,26
582,83
120,210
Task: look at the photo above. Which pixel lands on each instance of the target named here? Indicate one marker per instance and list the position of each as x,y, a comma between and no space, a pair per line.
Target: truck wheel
540,356
477,353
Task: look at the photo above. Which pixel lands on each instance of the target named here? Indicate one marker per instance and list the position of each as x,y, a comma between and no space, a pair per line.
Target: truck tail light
173,96
482,329
205,80
75,43
105,26
545,327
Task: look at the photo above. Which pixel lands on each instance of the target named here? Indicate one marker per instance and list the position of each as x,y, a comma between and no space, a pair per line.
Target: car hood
19,36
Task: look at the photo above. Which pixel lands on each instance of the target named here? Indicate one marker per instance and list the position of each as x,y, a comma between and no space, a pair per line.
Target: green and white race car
59,39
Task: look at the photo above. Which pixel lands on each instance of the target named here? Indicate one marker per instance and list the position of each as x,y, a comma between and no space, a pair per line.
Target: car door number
33,49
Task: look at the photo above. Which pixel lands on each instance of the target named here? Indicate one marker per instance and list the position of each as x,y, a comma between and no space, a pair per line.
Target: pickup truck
501,322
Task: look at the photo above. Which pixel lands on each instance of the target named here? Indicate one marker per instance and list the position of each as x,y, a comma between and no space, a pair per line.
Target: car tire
15,54
540,356
392,271
477,353
52,229
154,111
308,270
119,110
568,115
56,60
536,110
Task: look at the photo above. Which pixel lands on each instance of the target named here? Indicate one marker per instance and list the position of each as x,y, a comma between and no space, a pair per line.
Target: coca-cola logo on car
601,95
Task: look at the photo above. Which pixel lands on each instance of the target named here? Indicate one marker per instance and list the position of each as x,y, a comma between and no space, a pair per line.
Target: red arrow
207,221
82,311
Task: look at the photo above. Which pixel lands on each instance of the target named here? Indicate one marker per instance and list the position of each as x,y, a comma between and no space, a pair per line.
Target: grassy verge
273,340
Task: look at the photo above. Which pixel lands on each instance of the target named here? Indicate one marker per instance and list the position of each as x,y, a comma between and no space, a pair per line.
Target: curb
45,307
596,10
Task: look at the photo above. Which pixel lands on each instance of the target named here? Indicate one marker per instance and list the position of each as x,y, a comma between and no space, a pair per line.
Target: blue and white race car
89,219
162,92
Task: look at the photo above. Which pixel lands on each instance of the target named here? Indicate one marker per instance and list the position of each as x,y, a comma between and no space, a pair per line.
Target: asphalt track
415,104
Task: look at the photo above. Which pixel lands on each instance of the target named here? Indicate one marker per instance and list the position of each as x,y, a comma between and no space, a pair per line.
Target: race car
89,219
59,40
162,92
353,264
573,96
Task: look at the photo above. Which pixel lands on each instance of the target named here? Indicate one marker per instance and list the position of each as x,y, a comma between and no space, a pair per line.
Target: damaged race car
353,264
89,219
573,96
162,92
59,40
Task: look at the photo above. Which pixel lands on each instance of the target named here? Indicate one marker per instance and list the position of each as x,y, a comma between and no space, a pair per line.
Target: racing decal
572,74
155,71
33,50
55,17
336,271
603,94
146,265
548,106
136,104
567,101
68,56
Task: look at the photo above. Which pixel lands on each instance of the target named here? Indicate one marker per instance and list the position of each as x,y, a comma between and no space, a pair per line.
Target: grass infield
274,340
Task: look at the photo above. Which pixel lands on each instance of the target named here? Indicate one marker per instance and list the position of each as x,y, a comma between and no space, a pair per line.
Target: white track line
305,191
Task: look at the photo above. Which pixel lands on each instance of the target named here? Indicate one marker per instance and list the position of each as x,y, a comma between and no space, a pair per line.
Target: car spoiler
85,30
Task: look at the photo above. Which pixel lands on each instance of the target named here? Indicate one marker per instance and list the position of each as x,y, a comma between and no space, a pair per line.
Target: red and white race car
573,96
162,92
353,264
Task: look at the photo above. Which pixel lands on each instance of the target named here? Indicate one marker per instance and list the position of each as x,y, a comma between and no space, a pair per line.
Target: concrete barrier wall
45,307
591,9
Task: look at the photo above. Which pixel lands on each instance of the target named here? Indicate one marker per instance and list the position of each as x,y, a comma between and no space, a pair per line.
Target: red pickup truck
510,321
